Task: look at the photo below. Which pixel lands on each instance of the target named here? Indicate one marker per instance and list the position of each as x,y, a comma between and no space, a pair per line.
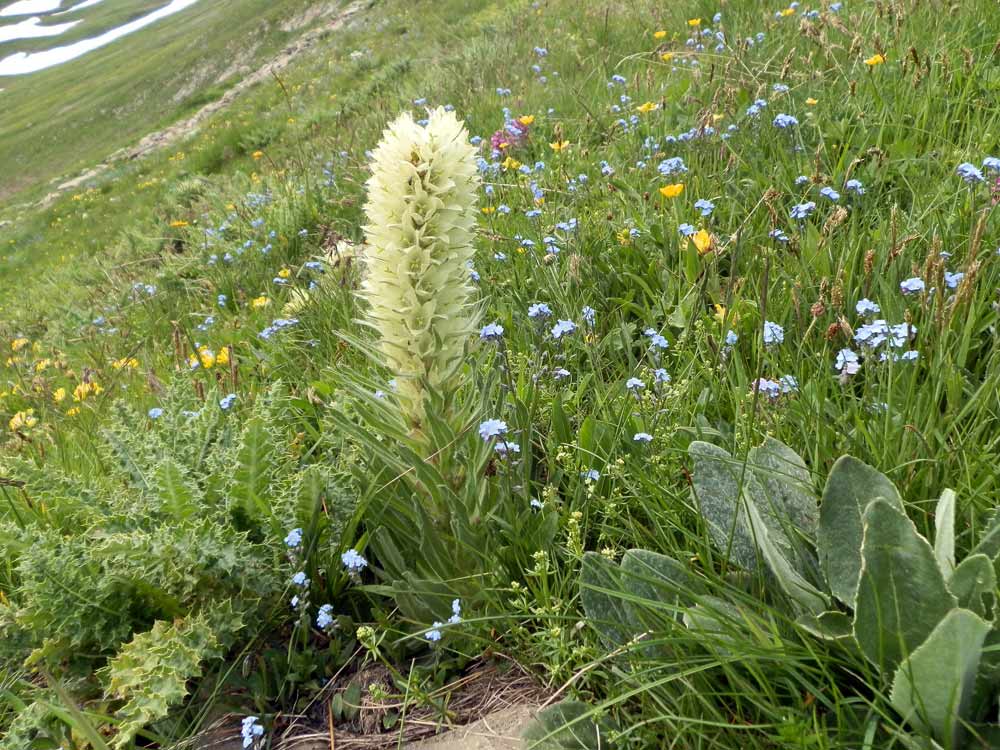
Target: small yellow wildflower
59,395
667,56
82,391
876,59
207,357
42,365
130,363
812,102
284,273
703,241
257,155
672,191
694,22
788,12
23,420
222,358
488,210
647,107
720,313
559,145
659,34
259,302
178,223
73,411
510,163
18,344
526,119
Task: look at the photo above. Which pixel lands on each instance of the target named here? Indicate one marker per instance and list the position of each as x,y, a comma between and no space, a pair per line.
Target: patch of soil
487,689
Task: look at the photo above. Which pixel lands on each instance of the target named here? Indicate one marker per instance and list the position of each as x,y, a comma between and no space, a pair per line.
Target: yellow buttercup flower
526,119
812,102
284,273
647,107
876,59
672,191
703,241
23,420
667,56
178,223
694,22
258,302
559,145
787,12
130,363
510,163
257,155
84,390
488,210
659,34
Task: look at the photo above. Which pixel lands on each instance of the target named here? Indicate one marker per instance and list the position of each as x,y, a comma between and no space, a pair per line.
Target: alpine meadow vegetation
643,353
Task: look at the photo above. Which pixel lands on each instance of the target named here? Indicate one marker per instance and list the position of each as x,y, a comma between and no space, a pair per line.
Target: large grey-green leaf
657,590
570,725
989,540
944,532
805,596
851,486
600,594
723,487
830,626
973,579
717,492
901,593
787,482
933,687
654,578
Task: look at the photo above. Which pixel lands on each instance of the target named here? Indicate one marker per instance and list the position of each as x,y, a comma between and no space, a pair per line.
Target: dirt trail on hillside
184,128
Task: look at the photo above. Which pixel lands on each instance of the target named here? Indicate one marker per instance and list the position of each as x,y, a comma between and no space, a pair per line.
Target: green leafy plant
132,582
920,619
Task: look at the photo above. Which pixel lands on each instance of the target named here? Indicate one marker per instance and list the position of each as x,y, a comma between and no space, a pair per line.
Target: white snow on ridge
21,63
32,29
30,7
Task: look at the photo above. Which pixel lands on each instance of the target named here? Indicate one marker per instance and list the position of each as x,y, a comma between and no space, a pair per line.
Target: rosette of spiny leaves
151,559
848,567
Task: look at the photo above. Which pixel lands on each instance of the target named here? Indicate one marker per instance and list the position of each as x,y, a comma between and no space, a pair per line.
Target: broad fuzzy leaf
787,483
851,486
973,579
932,689
944,532
600,584
901,593
723,486
804,595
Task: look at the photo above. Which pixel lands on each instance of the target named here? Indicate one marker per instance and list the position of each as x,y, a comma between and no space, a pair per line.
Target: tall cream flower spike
421,219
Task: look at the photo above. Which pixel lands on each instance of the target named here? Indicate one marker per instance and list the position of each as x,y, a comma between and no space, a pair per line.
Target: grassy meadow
69,117
717,248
